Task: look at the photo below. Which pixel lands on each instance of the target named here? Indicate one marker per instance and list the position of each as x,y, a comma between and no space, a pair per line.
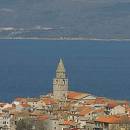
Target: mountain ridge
94,18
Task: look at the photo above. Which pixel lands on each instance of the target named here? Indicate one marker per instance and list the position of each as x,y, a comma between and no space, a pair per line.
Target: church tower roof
60,67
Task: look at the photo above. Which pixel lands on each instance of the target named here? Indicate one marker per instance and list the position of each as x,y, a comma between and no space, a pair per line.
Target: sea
99,67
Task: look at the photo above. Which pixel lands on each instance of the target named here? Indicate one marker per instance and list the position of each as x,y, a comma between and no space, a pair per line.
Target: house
87,115
100,102
86,124
9,109
73,114
128,111
22,107
98,112
19,100
42,103
110,105
66,124
48,103
112,122
42,117
34,102
90,125
85,112
19,115
118,110
6,121
72,95
35,114
89,97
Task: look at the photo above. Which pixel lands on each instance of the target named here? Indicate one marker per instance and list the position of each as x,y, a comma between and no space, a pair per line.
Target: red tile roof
21,100
112,104
76,95
67,122
113,119
84,110
42,118
25,105
99,110
49,101
100,100
90,102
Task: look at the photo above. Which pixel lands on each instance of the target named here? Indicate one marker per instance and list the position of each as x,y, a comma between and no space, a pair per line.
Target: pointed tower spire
60,67
60,72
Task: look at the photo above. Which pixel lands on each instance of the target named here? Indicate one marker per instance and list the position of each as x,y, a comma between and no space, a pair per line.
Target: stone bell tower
60,83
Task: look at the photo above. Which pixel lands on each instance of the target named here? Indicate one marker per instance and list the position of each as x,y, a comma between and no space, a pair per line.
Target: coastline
63,38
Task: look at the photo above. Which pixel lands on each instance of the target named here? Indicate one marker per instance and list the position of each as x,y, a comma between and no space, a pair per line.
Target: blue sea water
27,67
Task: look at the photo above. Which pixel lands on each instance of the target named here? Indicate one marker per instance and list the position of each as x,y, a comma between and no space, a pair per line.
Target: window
63,81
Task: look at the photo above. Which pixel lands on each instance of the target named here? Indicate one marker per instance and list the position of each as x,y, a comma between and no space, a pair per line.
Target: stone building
60,83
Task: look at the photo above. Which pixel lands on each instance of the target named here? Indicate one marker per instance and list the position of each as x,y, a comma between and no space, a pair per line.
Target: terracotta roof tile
67,122
112,104
84,110
19,99
99,110
25,105
113,119
42,117
76,95
90,102
49,101
100,100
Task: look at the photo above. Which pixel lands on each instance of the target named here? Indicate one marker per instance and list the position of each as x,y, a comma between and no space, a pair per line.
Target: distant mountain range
65,18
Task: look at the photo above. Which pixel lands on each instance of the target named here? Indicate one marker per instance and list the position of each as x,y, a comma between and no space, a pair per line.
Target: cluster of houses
81,111
67,110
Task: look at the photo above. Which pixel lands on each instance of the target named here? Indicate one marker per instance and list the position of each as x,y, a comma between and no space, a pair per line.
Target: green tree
30,124
24,124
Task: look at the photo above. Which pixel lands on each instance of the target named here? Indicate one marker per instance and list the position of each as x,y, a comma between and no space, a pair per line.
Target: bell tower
60,83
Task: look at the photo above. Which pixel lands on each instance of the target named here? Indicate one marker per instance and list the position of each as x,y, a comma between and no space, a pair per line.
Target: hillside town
65,110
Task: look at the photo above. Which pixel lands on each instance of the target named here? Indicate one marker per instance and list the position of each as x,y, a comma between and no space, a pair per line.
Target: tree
24,124
30,124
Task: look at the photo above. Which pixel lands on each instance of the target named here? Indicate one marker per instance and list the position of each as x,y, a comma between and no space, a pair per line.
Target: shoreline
47,93
63,38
